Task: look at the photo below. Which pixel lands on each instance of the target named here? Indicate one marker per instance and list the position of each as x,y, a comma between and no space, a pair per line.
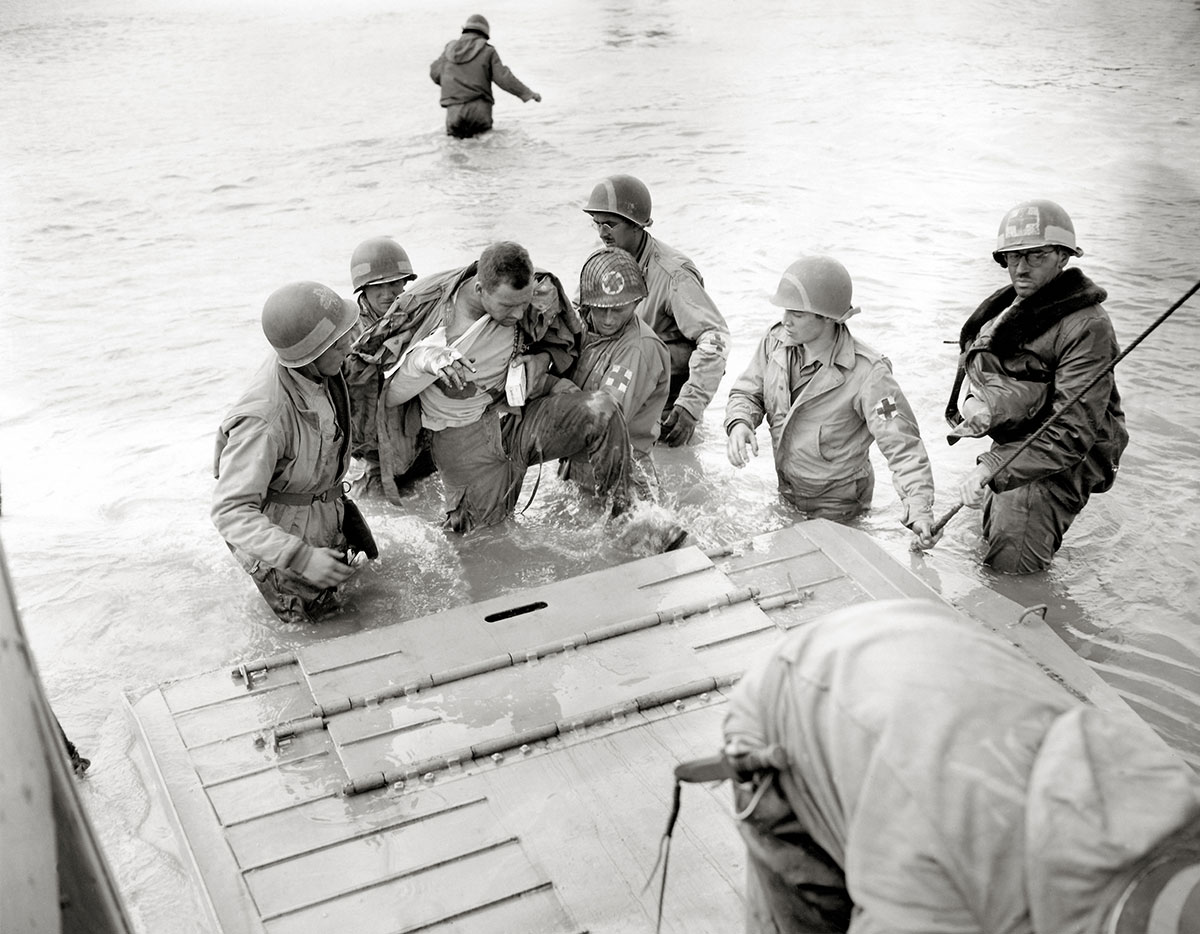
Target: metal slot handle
515,611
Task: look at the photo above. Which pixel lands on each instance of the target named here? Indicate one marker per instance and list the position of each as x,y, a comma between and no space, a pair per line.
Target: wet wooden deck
507,766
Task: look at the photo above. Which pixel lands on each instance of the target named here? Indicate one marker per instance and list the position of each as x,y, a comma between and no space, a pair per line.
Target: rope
664,855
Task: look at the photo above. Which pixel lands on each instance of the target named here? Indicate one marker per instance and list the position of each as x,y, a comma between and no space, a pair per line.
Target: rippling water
168,164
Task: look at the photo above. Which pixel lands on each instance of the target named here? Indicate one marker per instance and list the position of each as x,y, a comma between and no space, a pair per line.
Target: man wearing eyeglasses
677,307
1027,350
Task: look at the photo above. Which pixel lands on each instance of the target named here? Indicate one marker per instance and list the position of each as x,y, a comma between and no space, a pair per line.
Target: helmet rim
329,316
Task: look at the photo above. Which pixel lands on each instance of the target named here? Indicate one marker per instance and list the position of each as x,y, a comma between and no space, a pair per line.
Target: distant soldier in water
282,452
385,453
826,396
465,71
1027,350
676,306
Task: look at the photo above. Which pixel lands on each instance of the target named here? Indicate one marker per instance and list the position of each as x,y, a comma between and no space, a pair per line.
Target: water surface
166,165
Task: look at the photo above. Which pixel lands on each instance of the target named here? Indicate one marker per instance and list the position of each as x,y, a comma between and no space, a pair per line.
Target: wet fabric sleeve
699,320
506,80
552,325
746,402
1102,793
893,425
435,69
646,368
1084,349
244,471
416,370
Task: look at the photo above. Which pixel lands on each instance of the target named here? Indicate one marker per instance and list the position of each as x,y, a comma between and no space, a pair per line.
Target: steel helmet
611,278
819,284
624,196
380,259
304,319
479,24
1032,224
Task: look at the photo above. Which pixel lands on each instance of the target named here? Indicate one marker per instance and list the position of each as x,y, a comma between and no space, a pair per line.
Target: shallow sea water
165,164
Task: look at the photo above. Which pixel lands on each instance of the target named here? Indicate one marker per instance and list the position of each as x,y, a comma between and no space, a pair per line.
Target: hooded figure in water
465,71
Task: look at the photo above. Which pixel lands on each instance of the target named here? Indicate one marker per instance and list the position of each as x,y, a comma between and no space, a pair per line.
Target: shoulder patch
617,379
887,408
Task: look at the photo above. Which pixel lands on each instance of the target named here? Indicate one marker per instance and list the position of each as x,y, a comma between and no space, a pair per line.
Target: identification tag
514,383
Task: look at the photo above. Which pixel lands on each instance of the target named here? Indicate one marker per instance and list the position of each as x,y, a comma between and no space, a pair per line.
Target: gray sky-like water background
166,164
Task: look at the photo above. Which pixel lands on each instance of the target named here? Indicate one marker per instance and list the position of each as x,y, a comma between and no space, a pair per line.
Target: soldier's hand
678,427
923,536
971,490
536,97
452,369
326,568
740,444
537,366
561,386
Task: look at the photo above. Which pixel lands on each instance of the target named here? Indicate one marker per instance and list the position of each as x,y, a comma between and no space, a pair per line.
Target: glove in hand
678,427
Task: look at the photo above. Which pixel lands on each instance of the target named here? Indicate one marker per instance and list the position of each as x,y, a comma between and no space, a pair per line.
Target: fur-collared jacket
1024,361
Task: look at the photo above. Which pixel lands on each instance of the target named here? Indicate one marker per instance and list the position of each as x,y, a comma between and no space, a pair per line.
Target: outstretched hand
535,96
677,427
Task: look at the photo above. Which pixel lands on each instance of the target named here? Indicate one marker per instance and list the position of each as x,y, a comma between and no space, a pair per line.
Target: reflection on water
166,165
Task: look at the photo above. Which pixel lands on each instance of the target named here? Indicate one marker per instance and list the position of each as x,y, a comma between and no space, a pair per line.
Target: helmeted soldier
622,356
826,396
282,452
676,305
465,71
1029,348
379,271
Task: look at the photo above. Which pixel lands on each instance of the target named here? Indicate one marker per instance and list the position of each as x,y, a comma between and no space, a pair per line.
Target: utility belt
306,499
354,524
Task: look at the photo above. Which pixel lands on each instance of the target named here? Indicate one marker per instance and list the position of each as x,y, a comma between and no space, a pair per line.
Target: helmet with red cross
611,278
1032,224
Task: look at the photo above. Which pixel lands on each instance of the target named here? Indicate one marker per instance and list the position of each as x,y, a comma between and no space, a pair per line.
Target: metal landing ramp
506,766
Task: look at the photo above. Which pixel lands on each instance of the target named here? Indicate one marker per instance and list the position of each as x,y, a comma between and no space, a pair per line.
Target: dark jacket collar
1069,291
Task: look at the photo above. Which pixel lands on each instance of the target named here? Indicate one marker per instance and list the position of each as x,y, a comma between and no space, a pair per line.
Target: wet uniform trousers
483,464
1024,527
